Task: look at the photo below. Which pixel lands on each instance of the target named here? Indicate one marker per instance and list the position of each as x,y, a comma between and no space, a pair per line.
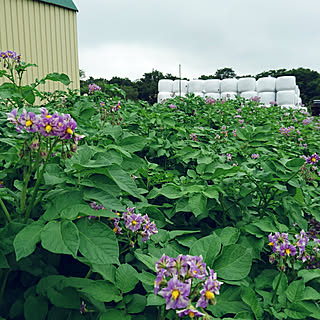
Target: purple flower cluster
306,247
193,137
117,107
255,156
10,55
286,131
210,100
229,157
256,99
172,106
307,121
55,125
180,281
93,87
137,223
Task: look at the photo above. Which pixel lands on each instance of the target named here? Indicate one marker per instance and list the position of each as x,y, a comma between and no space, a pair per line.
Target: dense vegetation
146,88
116,209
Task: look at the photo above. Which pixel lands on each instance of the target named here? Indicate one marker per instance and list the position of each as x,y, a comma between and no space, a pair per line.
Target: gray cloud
129,38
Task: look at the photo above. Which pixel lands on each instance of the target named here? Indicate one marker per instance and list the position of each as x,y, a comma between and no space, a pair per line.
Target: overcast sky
127,38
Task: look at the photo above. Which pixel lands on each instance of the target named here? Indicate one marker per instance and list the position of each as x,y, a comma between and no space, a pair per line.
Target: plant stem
277,286
4,282
88,274
5,210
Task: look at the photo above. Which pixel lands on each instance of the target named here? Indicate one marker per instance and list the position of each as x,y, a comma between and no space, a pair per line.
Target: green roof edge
62,3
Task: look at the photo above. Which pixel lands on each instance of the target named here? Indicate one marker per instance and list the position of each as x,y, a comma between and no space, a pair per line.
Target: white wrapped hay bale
198,94
286,97
289,106
176,86
162,96
286,83
177,94
165,85
212,85
296,97
299,101
246,84
298,91
266,84
196,86
249,94
228,95
229,85
267,97
213,95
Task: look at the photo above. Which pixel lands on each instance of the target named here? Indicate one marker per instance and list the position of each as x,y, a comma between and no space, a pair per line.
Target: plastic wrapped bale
286,83
267,98
213,95
165,85
184,86
228,95
229,85
286,97
177,94
212,85
162,96
198,94
266,84
196,86
246,84
298,91
290,106
296,97
249,94
299,101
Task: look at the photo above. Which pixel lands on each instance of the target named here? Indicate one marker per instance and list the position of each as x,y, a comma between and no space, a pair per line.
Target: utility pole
180,80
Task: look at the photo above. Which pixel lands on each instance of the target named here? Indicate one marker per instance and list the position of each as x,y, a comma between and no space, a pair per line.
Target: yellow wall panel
44,34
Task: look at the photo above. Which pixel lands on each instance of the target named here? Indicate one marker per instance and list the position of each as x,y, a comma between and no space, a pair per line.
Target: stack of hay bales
282,90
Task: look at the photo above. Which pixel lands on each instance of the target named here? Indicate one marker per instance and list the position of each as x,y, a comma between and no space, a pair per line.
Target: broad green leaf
171,191
153,300
295,290
60,237
3,261
107,271
98,242
198,204
61,77
148,260
137,304
114,314
133,143
234,262
126,278
209,247
228,235
32,303
102,290
250,298
65,298
311,294
245,315
296,311
26,240
308,275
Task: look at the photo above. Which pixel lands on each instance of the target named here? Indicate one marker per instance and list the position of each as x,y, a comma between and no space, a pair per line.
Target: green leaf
126,278
102,290
32,303
65,298
308,275
209,247
171,191
198,204
228,235
137,304
153,300
310,294
295,290
148,260
133,143
296,311
107,271
26,240
250,298
114,314
234,262
245,315
98,242
295,163
60,237
3,261
61,77
124,180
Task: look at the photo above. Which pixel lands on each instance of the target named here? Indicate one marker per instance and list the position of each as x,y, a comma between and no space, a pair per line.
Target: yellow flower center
48,128
191,314
175,294
60,124
270,243
288,251
195,271
313,159
48,116
115,230
134,222
69,130
29,123
209,295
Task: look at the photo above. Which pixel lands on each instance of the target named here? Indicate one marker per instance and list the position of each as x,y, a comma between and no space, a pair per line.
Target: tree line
146,88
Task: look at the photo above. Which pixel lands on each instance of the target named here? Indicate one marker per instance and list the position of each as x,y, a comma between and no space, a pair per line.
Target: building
45,33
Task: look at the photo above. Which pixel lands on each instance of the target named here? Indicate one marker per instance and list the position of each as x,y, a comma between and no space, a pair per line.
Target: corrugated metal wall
44,34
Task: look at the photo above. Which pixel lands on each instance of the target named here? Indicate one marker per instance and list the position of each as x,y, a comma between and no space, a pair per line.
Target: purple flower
29,121
229,156
210,288
287,249
255,156
197,267
83,309
193,136
190,311
160,277
313,159
102,104
172,106
133,222
117,229
117,107
149,229
176,294
164,263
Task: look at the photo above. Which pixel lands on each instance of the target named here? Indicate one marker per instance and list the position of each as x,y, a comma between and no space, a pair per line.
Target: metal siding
45,35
